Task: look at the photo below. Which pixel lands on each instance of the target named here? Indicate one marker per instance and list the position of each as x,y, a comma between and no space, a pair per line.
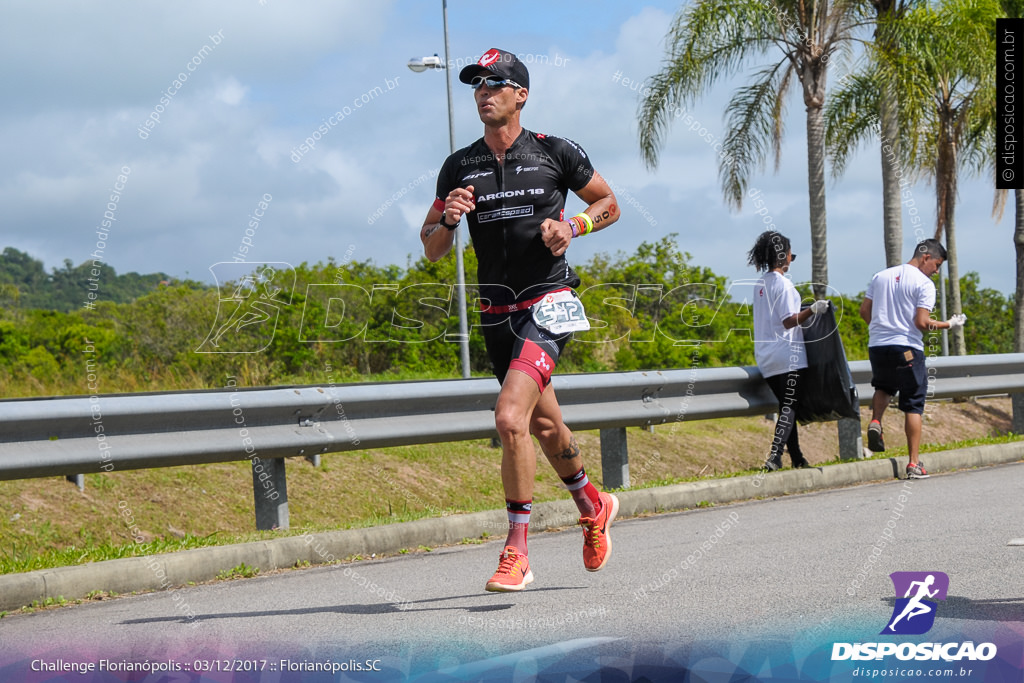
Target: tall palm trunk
959,344
889,129
814,98
1018,306
892,209
1018,245
946,188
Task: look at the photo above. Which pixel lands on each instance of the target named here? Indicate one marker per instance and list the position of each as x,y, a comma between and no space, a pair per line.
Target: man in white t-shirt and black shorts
897,308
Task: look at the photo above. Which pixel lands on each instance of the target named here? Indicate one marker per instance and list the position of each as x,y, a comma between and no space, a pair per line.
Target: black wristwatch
444,217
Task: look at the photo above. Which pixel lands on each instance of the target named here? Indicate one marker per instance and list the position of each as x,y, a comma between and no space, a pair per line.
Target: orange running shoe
597,544
513,572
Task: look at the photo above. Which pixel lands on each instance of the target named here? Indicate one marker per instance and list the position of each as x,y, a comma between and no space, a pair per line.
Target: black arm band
444,218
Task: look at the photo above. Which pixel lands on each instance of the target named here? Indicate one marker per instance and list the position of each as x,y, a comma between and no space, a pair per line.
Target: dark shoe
917,471
875,442
773,463
800,462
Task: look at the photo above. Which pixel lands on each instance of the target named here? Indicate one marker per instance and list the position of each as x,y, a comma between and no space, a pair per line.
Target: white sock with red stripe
518,523
586,496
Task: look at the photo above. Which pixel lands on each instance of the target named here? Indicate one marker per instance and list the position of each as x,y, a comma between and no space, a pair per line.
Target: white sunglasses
492,82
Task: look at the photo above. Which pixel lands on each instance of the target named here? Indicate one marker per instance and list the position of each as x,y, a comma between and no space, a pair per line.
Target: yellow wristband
588,223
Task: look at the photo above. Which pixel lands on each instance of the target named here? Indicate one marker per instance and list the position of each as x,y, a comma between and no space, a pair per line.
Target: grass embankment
49,522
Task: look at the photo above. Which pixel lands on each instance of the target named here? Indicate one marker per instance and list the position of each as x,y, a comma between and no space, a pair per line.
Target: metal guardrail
85,434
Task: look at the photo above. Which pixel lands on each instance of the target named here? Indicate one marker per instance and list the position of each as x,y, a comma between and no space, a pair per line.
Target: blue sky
83,77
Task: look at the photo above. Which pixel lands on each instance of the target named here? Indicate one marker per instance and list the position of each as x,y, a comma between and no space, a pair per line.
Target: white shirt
777,349
896,293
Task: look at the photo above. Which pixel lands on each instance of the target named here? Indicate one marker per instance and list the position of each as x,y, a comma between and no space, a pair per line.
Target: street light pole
422,64
460,271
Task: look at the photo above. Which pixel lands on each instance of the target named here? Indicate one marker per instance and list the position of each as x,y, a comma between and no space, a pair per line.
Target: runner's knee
511,424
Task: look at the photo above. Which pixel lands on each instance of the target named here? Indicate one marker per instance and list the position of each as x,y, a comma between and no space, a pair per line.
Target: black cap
500,63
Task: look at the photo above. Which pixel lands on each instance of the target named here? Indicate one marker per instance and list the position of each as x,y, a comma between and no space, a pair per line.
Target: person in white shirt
779,340
897,308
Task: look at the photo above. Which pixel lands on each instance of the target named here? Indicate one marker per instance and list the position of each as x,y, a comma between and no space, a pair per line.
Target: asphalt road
765,586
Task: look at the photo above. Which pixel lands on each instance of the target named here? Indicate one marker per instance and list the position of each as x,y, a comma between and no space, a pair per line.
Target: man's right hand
438,241
458,202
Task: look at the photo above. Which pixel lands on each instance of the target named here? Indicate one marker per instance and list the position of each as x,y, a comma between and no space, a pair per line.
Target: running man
897,308
915,606
511,186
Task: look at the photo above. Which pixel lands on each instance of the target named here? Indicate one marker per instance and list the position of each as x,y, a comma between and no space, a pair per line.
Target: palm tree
710,40
866,103
1014,9
945,76
943,81
1018,306
888,13
1019,250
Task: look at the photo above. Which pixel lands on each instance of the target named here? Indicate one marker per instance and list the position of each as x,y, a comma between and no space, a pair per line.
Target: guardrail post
78,480
270,492
851,442
614,458
1017,423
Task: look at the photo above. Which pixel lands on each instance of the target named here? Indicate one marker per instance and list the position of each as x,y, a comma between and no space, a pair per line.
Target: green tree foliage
989,317
332,323
661,311
24,283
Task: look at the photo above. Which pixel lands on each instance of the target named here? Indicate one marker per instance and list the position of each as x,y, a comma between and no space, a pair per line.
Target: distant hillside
25,284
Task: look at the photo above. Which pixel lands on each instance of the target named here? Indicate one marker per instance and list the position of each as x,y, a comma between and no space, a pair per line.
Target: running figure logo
914,613
249,306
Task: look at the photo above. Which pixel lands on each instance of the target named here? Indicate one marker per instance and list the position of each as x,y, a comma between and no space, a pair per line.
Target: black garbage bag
827,391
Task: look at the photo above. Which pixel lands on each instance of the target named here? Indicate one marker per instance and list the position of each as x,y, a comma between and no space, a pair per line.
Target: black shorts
514,340
900,370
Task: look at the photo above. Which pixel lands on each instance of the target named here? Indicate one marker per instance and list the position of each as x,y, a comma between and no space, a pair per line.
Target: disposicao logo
917,594
914,613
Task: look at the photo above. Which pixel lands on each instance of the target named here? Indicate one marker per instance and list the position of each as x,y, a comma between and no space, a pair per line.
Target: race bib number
560,312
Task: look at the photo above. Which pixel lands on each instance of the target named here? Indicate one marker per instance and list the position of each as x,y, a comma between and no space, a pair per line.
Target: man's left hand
556,235
956,321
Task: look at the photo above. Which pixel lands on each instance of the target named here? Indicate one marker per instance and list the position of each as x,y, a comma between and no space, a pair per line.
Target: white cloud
231,92
282,69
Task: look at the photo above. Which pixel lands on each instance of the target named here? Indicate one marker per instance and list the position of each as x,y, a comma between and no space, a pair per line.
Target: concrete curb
156,572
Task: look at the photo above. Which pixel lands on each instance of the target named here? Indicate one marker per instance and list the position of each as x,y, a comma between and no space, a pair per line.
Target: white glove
957,320
819,306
